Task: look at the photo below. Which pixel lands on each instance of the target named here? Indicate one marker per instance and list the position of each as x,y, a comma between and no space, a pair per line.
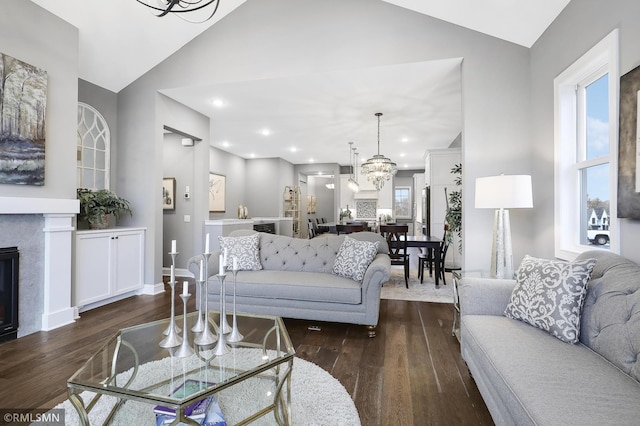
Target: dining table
428,242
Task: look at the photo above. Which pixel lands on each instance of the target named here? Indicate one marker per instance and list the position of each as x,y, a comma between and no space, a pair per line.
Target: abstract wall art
23,104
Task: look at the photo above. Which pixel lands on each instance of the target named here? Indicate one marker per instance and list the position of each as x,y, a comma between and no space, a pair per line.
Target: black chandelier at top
164,7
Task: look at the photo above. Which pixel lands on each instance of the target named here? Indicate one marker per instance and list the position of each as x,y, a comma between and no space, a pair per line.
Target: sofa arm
377,273
193,264
484,296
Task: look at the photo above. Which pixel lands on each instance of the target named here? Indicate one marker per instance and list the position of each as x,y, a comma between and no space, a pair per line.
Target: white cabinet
109,263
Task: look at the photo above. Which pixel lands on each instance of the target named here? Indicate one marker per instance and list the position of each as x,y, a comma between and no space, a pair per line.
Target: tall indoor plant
97,206
454,207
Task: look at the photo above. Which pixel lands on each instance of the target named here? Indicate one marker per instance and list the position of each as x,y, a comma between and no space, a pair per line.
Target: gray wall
33,35
245,45
235,170
578,28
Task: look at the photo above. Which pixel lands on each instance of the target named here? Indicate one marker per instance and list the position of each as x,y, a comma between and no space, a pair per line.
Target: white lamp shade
504,191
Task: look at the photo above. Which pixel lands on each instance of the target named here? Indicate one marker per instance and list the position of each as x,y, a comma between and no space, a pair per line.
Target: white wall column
58,230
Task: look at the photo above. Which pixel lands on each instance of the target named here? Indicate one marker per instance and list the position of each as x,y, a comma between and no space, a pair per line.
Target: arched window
93,151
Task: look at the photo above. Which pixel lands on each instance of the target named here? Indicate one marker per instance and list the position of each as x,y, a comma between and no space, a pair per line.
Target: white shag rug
317,398
426,292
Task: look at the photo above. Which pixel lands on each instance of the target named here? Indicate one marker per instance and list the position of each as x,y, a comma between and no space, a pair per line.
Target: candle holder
222,347
207,337
199,325
172,284
185,349
235,335
172,330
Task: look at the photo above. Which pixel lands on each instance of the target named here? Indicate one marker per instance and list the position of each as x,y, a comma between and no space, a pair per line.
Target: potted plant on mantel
97,206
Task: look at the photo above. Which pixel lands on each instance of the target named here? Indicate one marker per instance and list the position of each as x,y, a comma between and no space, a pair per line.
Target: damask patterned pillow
354,257
246,249
549,294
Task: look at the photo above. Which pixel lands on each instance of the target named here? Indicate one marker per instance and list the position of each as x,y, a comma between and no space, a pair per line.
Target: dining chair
313,231
427,259
396,236
349,228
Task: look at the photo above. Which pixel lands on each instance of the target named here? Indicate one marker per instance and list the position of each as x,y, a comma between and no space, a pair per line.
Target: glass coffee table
249,382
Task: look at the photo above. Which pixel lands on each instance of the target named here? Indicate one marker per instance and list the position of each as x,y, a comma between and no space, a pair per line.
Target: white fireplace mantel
58,231
24,205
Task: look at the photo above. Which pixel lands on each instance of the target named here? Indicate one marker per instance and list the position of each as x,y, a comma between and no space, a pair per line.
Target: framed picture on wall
217,189
168,194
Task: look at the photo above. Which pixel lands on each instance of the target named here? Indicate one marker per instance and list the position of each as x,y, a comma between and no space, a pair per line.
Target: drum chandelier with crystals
379,169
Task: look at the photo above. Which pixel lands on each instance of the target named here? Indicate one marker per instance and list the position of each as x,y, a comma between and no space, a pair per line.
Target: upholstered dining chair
396,236
313,230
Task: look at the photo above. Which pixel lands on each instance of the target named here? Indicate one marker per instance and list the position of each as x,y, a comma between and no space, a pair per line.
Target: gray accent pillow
354,257
549,294
246,249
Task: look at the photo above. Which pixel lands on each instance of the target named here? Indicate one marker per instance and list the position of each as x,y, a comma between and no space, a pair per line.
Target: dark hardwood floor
410,374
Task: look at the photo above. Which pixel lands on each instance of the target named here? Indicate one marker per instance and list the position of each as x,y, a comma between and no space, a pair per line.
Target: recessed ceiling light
402,154
311,160
252,155
406,166
226,144
265,132
405,139
219,103
294,149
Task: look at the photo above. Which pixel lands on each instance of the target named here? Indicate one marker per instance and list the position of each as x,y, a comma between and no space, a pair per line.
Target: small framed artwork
168,194
217,189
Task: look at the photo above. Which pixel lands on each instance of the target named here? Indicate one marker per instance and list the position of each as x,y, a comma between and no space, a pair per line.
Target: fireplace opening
9,257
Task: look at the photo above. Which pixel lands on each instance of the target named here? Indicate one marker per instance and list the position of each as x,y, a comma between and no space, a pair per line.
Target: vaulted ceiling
120,40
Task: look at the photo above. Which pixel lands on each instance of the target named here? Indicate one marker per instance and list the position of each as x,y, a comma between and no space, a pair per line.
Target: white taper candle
173,246
185,287
206,244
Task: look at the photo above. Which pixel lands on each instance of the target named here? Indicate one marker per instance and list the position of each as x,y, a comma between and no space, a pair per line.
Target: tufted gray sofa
296,280
528,377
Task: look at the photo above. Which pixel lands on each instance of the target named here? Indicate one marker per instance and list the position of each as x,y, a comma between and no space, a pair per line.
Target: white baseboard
180,272
152,289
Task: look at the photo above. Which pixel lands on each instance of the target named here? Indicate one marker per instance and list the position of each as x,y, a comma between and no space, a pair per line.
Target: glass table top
132,364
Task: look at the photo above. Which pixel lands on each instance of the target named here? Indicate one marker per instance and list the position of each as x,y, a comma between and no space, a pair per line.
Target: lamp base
501,252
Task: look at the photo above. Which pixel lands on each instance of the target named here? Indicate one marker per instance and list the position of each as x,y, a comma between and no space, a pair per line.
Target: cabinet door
93,271
128,265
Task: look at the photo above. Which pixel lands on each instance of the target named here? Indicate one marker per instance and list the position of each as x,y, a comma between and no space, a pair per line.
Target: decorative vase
102,222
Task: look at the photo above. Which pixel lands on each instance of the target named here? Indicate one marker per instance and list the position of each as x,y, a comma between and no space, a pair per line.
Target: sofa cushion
245,249
549,294
354,257
292,285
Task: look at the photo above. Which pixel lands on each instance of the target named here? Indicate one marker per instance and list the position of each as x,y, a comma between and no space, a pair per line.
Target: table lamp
501,193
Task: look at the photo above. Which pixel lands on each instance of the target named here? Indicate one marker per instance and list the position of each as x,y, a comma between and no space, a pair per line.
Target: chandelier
164,7
351,183
379,168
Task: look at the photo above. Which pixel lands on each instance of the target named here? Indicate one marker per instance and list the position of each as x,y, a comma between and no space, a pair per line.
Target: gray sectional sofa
528,377
297,280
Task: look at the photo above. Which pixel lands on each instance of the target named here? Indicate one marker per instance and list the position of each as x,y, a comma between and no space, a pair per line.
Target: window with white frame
586,151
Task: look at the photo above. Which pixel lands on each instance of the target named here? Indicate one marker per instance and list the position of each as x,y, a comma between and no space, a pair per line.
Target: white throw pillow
245,249
549,294
354,257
